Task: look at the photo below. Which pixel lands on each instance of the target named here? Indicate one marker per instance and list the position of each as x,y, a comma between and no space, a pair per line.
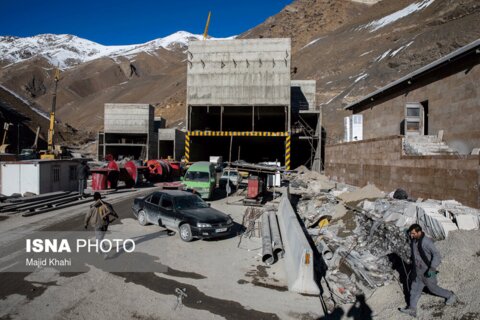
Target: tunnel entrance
303,151
250,149
165,149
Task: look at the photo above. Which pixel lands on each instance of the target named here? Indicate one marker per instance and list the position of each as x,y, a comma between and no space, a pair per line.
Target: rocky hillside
25,117
350,47
93,74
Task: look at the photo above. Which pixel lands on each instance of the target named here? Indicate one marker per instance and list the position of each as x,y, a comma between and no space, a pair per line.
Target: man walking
83,171
426,260
99,216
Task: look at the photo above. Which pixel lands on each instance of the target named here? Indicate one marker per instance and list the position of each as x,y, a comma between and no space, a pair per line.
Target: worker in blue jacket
426,260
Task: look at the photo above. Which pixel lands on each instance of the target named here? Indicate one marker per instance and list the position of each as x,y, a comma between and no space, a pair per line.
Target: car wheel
142,218
186,232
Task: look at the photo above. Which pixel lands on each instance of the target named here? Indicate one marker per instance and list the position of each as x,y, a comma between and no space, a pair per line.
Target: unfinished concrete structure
239,102
128,132
171,144
422,132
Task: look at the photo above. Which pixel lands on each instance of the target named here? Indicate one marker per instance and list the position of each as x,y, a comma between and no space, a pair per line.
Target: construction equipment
205,32
34,145
3,146
255,191
50,154
32,152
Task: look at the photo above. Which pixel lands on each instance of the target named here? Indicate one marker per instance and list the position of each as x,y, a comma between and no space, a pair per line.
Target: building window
413,126
73,173
56,174
413,112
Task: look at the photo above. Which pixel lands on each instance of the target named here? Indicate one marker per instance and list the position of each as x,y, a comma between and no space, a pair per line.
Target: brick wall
381,161
454,107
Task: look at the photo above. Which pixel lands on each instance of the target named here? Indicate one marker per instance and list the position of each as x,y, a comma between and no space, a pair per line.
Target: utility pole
18,138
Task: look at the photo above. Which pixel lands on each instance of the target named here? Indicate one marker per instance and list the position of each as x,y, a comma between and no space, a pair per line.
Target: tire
185,232
142,218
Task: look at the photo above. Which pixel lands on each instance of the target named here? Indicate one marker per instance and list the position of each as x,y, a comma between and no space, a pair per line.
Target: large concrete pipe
267,251
277,244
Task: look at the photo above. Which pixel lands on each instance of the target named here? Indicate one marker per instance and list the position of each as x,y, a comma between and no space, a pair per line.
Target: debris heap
361,235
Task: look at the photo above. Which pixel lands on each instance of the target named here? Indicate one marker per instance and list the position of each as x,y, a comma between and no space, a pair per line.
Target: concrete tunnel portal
250,149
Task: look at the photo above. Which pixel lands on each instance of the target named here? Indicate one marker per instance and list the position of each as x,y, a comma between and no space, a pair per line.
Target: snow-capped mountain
67,50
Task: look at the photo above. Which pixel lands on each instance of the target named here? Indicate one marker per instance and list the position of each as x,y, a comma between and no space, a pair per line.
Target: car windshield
189,202
196,176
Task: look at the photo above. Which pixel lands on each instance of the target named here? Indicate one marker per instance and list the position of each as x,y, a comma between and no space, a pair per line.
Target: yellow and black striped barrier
287,153
236,134
187,147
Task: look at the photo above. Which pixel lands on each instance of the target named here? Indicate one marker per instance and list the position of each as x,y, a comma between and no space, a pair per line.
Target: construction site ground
221,279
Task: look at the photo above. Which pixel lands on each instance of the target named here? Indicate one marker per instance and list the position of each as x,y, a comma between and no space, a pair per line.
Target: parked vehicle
201,178
184,212
217,161
231,176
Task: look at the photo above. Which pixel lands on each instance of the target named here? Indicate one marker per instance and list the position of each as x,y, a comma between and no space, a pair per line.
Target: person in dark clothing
83,171
426,259
99,216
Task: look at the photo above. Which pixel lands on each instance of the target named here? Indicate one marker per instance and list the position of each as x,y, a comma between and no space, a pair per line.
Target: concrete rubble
361,233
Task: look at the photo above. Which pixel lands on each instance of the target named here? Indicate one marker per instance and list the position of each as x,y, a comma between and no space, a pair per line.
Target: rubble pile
360,245
309,182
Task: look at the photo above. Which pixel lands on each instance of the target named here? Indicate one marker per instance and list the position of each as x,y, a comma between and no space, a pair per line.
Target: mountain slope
94,74
350,47
360,58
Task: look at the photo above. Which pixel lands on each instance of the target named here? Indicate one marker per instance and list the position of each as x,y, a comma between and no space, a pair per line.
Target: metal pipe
267,251
324,250
277,244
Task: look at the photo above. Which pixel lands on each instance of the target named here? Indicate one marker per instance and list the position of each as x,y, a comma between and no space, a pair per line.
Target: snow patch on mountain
380,23
67,50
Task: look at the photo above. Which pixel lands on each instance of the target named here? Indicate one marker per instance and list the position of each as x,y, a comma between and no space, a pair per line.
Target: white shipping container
38,176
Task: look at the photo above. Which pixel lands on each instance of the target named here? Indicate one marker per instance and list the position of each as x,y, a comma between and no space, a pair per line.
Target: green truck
201,177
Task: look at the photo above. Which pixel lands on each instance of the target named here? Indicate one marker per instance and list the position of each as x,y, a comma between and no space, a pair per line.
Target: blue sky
124,22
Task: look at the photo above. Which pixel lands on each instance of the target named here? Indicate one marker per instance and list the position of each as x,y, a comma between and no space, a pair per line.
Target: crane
50,154
205,33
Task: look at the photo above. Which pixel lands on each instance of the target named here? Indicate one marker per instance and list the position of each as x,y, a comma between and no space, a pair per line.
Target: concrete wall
239,72
132,118
454,106
381,162
128,118
65,182
303,94
178,138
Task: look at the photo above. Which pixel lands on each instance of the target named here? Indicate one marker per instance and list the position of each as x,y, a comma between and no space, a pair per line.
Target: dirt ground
221,279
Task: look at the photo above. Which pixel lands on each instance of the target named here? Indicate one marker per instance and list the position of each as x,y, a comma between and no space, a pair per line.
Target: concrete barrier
298,253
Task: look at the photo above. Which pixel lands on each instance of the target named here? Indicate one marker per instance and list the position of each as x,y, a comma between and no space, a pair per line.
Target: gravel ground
223,279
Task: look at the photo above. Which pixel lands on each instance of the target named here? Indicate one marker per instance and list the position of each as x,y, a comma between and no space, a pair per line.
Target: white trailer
38,176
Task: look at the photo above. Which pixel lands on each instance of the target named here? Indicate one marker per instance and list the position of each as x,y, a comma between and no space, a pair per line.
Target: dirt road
219,278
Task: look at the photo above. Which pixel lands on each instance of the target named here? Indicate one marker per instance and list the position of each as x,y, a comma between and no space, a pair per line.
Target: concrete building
421,133
171,143
38,176
239,98
128,131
